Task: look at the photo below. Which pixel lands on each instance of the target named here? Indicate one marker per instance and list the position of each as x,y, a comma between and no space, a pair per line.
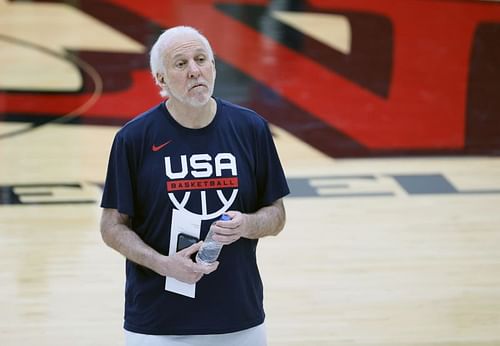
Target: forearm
117,235
267,221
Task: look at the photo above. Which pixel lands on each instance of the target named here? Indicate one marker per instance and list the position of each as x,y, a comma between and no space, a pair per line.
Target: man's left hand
227,232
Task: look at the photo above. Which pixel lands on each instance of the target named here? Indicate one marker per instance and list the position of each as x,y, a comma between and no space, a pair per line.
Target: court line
87,68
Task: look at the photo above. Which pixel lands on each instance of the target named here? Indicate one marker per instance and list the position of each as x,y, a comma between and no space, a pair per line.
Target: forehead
185,45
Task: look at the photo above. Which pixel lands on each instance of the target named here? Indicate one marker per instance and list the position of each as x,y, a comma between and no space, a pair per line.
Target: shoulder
137,126
242,115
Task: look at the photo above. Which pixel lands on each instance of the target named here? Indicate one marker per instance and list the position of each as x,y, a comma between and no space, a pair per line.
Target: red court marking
426,104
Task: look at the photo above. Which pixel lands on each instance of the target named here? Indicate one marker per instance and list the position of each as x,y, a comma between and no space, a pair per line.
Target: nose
193,70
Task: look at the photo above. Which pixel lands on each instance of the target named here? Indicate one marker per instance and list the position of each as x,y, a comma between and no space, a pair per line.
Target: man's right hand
181,267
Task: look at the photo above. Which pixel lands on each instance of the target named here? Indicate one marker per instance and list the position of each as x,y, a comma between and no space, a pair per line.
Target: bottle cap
225,217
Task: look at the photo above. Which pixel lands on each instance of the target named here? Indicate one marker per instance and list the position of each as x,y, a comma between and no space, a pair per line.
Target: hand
227,232
181,267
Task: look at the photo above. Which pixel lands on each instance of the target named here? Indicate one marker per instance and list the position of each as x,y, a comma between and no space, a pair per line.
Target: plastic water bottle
210,249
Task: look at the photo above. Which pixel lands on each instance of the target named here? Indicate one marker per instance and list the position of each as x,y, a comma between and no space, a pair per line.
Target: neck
190,116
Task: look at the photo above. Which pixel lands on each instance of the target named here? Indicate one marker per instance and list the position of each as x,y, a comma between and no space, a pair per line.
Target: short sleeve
118,190
271,180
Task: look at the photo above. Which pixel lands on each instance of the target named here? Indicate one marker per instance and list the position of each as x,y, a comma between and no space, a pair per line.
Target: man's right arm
116,233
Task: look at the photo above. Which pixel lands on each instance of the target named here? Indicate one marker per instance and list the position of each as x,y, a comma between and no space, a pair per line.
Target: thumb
187,252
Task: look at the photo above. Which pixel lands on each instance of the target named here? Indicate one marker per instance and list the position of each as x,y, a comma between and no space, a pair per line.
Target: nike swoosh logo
159,147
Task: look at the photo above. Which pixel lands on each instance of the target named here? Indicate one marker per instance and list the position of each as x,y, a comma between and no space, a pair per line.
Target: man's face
189,72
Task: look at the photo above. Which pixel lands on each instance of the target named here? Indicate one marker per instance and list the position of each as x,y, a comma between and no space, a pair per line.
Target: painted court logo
194,179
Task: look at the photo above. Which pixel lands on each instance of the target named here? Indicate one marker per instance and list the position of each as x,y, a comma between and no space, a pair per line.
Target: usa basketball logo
202,185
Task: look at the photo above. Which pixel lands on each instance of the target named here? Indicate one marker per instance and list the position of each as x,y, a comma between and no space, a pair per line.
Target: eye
180,64
201,59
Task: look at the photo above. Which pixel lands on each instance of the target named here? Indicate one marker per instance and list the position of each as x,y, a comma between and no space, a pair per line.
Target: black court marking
430,184
412,184
9,196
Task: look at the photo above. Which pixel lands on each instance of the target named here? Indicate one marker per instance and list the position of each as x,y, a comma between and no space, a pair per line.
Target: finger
232,223
232,213
211,268
187,252
230,240
226,239
223,231
195,278
206,268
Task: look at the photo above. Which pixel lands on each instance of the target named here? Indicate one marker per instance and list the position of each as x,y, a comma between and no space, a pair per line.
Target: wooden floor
376,252
365,259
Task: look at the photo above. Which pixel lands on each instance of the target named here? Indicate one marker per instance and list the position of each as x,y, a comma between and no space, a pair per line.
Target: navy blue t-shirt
156,165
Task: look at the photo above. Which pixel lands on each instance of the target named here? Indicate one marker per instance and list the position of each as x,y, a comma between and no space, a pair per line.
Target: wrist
248,225
160,264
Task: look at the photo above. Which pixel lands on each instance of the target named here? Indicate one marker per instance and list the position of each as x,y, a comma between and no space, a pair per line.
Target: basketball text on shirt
202,172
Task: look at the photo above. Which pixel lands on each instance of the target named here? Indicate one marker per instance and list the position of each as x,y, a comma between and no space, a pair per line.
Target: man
192,157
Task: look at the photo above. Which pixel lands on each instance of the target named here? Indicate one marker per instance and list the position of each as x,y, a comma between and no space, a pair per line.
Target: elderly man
172,172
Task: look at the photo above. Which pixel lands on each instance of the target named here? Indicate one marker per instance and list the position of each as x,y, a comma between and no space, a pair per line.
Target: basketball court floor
387,243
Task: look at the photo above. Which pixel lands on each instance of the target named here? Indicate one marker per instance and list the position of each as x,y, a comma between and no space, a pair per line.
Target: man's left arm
266,221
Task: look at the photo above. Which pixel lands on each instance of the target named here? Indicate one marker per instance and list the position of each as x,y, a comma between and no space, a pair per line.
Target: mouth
198,85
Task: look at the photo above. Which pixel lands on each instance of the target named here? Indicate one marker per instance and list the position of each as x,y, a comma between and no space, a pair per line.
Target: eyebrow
198,51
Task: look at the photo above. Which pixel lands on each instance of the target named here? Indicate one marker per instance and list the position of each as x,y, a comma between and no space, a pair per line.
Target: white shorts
255,336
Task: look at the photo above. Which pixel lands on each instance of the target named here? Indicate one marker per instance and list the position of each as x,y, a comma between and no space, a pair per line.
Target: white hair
156,55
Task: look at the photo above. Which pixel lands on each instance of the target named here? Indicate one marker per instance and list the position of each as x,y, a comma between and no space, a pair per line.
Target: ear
160,78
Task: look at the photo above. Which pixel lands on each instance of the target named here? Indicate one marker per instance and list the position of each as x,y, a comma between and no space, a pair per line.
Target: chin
198,100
